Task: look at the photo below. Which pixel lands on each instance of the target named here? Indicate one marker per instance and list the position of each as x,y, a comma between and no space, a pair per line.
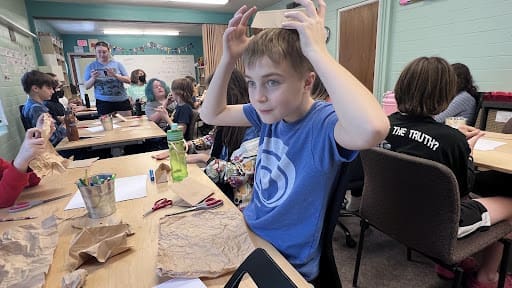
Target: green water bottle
177,154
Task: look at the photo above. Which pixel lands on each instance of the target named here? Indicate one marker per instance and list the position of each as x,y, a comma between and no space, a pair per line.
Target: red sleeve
12,183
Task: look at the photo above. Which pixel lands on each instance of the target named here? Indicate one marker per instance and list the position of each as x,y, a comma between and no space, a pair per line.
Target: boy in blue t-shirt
302,142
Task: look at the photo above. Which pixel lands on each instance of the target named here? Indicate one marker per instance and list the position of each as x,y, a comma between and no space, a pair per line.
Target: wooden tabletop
136,129
499,159
139,264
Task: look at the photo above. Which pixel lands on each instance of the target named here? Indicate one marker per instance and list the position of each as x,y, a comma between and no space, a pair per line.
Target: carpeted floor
384,262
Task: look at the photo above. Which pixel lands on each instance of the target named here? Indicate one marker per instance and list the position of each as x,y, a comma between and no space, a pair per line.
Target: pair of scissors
20,206
208,203
159,204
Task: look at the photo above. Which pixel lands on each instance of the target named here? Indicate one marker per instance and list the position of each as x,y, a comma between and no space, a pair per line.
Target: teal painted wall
42,26
476,33
11,92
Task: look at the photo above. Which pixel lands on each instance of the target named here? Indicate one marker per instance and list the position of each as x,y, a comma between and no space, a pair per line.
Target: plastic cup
107,123
99,196
455,122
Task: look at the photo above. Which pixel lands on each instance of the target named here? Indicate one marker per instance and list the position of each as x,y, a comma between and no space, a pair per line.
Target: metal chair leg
504,262
364,225
457,280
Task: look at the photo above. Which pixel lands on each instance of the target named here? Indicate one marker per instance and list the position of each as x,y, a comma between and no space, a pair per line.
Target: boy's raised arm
362,123
214,110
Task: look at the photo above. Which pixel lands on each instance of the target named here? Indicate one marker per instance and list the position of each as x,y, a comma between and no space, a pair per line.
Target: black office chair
263,271
24,121
328,275
478,106
356,182
192,126
400,192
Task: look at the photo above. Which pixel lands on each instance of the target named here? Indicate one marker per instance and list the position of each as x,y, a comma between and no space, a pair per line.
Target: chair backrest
411,199
263,271
24,120
478,105
328,276
192,126
507,129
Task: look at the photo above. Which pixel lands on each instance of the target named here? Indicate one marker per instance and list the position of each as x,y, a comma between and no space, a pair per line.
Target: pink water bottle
389,103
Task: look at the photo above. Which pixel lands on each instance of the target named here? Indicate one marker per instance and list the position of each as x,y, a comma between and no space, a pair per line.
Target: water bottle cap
175,133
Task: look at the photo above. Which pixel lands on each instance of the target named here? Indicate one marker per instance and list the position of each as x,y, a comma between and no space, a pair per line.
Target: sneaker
353,204
468,265
472,282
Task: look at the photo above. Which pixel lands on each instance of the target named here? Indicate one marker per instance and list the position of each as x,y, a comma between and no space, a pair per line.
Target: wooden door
358,37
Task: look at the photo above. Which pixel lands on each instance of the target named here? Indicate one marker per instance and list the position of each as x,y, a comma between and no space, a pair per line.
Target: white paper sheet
486,145
99,128
126,188
83,163
182,283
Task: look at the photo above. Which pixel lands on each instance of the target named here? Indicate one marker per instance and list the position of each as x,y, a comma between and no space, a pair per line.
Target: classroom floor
384,262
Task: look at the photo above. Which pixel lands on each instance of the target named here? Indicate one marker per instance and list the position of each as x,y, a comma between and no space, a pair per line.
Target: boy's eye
251,84
272,83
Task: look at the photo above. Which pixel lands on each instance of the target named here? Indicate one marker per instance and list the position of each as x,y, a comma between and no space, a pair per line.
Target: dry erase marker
151,175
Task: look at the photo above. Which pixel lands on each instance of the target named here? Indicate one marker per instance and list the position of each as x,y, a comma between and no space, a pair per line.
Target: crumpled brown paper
49,161
202,244
100,242
162,173
75,279
26,253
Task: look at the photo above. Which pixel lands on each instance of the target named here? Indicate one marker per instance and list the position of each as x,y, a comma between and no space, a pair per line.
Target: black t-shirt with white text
424,137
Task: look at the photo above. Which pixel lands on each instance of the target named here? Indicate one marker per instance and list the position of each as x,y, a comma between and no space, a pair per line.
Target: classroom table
89,113
136,267
499,159
134,131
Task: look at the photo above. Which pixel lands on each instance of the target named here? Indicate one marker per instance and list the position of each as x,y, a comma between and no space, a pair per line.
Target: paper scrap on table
130,128
192,196
99,128
182,283
486,145
27,253
272,18
83,163
126,188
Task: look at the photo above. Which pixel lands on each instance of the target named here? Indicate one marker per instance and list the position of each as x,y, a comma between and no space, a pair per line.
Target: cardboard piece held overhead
271,18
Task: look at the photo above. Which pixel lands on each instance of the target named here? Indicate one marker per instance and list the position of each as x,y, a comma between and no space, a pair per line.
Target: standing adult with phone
107,76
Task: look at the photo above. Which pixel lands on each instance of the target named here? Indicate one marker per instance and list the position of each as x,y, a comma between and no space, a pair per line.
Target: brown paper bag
162,173
100,242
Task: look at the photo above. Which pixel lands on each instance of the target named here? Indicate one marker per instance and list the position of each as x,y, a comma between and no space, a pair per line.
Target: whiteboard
163,67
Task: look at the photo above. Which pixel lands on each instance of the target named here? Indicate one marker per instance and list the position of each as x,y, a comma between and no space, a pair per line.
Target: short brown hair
183,88
425,87
37,78
278,45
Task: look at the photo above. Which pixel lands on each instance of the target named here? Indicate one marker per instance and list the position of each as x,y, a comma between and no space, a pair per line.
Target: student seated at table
301,140
425,87
137,90
224,140
182,90
464,103
39,87
195,94
16,175
158,105
55,107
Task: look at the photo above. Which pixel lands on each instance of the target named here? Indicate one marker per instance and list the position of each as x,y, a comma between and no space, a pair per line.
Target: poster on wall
92,44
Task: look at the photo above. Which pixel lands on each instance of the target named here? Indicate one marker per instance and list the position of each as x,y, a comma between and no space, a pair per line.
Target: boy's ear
310,79
34,88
